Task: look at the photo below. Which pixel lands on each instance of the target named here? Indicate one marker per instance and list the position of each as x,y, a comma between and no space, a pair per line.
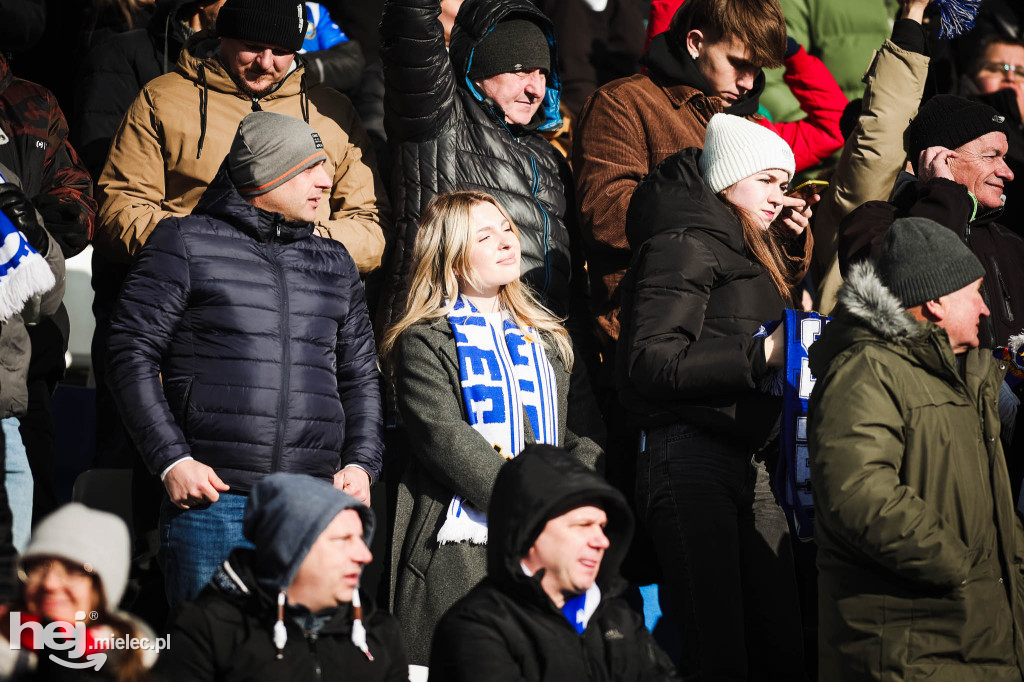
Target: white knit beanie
736,148
95,539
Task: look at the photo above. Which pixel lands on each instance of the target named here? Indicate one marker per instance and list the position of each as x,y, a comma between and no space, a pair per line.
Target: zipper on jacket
318,669
286,361
547,224
1003,289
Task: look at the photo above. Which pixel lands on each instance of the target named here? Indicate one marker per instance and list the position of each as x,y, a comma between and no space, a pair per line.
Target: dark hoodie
691,303
227,633
447,136
507,628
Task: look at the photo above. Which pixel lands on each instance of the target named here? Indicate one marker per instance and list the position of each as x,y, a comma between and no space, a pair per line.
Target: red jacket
814,138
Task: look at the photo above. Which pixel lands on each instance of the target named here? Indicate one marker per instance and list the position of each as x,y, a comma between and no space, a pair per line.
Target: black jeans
725,554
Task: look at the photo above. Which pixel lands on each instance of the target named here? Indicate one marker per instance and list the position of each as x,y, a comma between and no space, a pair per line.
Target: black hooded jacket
448,137
507,628
226,635
691,303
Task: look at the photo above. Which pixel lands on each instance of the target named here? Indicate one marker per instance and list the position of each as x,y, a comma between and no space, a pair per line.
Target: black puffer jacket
692,301
507,628
262,339
447,137
226,634
112,75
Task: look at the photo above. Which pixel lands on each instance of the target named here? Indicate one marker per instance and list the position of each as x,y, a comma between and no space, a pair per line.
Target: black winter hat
950,121
281,23
513,45
922,260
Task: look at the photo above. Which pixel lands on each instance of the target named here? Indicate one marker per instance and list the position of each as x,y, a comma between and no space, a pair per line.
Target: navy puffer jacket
263,340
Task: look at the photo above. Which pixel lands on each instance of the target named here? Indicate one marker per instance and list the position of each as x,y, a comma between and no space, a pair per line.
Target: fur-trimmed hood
866,298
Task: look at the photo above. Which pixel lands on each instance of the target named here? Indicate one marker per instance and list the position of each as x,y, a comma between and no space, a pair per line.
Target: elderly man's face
299,198
980,165
570,550
1001,67
962,311
518,93
330,572
256,67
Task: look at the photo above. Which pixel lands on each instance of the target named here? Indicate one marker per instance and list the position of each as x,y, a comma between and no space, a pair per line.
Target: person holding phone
719,249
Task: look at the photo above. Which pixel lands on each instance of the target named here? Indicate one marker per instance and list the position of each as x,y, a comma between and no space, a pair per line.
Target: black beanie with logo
513,45
950,121
281,23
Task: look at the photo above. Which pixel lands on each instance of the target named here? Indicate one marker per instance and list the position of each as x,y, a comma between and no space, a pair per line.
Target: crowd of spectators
427,335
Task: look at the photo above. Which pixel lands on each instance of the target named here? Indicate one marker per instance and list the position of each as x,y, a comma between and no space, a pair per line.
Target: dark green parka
919,546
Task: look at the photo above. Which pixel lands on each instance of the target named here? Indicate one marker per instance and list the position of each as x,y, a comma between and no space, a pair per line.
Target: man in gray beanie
290,608
918,540
241,346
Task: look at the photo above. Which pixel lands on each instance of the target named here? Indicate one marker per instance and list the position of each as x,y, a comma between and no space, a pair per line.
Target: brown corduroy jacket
625,129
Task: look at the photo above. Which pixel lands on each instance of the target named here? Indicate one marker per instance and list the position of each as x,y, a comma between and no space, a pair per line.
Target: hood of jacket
867,312
199,62
675,197
477,18
540,487
222,201
670,65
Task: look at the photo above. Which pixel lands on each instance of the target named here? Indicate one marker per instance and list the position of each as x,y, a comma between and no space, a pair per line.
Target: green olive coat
919,547
448,457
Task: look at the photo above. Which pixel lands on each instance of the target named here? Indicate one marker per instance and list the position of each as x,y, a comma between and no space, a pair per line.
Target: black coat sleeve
152,303
358,383
419,80
340,67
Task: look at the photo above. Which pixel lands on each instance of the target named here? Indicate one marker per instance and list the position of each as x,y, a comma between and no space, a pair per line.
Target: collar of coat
201,49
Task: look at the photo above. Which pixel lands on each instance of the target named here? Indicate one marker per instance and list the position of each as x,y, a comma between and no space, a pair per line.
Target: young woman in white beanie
717,250
74,571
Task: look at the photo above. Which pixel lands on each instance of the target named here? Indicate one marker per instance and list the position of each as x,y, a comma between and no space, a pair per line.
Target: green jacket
448,456
919,547
844,35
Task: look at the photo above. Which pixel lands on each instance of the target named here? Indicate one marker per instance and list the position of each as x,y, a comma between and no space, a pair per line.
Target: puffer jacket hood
167,32
199,62
477,18
544,482
676,188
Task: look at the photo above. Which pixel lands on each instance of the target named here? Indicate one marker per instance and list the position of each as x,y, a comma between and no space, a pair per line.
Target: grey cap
922,260
269,150
94,539
284,516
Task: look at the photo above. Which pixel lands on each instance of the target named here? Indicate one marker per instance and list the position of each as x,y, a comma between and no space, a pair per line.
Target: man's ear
694,42
935,310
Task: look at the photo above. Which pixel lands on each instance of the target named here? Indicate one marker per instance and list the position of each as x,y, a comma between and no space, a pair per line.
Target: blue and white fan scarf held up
23,272
505,375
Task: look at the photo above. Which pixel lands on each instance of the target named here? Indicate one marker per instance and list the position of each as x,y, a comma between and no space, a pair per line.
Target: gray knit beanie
735,148
284,516
269,150
94,539
922,261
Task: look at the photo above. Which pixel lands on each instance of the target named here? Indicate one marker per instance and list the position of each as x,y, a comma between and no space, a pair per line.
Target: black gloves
22,213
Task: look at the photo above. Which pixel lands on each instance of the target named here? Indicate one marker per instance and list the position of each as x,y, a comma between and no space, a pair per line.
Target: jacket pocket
421,541
178,392
1005,301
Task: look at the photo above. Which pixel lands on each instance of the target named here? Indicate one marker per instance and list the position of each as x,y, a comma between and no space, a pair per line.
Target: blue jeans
19,483
723,544
195,542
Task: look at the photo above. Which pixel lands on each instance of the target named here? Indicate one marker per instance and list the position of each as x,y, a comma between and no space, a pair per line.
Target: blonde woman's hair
442,248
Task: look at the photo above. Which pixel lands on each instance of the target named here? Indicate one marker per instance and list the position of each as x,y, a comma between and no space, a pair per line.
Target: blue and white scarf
505,375
23,272
793,474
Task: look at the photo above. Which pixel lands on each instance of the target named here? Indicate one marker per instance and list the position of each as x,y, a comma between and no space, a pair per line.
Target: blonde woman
481,370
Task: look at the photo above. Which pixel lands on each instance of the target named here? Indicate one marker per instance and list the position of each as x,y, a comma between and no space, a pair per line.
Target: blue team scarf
505,375
23,272
579,609
793,474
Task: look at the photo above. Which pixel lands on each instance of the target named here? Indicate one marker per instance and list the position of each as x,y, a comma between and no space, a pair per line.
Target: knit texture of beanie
949,121
513,45
269,150
735,148
922,261
281,23
94,539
